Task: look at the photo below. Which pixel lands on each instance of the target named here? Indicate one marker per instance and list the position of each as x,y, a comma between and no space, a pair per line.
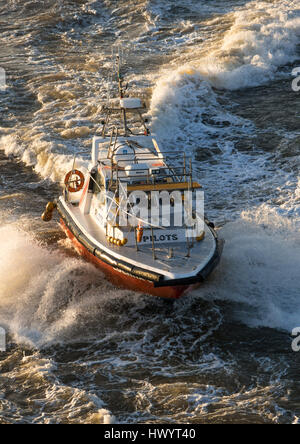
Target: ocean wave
263,37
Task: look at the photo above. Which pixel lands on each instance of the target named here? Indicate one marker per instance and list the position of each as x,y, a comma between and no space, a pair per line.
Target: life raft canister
74,181
139,233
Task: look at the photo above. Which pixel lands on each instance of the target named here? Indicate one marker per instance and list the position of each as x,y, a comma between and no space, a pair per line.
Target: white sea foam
45,295
49,159
259,270
262,38
34,283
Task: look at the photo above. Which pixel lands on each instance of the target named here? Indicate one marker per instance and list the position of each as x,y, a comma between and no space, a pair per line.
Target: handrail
155,156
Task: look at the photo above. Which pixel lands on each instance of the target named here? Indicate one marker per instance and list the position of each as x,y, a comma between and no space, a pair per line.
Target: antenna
118,62
126,105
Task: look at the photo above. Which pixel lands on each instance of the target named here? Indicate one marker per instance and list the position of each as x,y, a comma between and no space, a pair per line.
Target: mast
121,93
124,107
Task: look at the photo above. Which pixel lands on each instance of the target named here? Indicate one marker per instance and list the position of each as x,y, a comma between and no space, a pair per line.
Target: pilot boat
105,210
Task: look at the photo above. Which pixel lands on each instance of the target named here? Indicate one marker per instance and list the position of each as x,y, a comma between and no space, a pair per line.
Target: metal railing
177,174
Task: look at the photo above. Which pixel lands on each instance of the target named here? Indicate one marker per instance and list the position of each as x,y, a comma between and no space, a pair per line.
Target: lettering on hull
160,238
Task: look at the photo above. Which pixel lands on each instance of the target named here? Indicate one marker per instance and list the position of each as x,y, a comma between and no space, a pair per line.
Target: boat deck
180,265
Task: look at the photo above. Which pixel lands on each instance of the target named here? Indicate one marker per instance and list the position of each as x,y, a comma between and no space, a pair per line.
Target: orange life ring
74,181
139,233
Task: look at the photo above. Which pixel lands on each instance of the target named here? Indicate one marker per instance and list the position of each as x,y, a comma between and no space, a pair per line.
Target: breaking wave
263,37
